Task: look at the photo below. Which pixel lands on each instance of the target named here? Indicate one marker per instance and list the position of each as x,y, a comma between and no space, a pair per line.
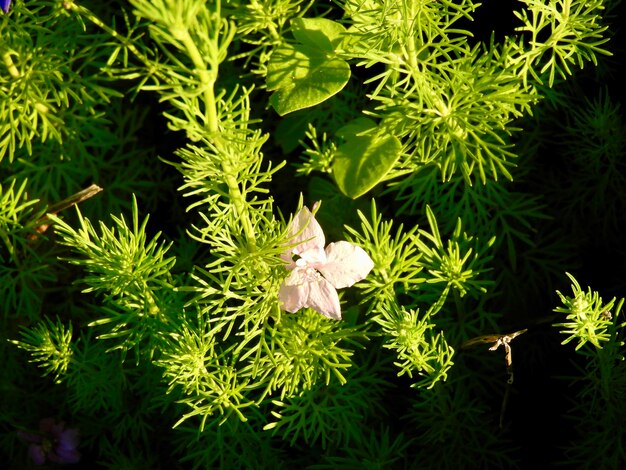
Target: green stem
207,82
240,207
5,238
8,61
207,79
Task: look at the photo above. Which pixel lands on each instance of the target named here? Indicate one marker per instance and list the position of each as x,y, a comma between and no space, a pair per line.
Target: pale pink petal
294,291
293,298
313,256
345,264
305,229
323,299
287,258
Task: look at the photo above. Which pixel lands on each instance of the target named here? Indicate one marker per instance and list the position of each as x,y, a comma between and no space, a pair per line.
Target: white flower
317,273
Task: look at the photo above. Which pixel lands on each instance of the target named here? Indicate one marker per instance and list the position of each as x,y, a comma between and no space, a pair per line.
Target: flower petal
345,264
64,455
37,454
68,439
323,298
293,297
308,233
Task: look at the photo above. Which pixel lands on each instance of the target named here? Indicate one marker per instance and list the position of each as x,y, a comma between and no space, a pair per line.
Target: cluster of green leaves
589,318
446,114
63,123
49,345
63,126
596,409
596,134
417,270
131,272
438,100
23,272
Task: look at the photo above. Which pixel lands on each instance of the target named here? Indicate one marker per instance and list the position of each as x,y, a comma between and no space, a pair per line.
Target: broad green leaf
318,33
365,158
307,74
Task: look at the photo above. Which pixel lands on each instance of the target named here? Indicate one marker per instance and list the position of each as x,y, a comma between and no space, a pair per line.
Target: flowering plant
317,272
463,171
54,442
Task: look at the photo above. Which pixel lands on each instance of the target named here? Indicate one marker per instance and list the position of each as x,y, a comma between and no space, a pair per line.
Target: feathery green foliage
467,167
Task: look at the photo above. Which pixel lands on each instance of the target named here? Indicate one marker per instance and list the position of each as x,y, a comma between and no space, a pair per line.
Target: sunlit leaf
365,158
308,73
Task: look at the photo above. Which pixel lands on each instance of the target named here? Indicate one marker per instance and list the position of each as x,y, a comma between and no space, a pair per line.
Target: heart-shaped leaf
365,158
318,33
308,73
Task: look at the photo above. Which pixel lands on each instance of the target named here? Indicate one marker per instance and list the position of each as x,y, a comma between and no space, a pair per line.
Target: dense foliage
155,159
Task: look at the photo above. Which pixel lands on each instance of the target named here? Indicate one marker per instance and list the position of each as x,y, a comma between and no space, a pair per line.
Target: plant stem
8,61
207,83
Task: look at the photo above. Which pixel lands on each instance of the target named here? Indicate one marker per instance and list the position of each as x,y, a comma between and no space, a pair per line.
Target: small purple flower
4,5
53,442
317,272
